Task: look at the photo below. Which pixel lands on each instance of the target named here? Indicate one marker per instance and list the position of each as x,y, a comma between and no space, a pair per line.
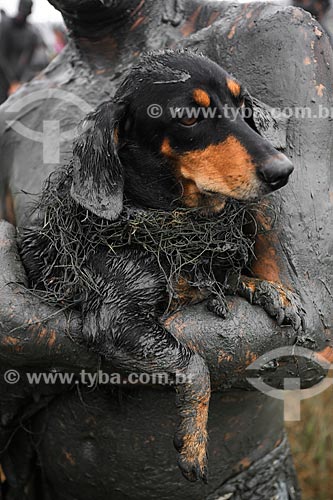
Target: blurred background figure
60,38
320,10
18,42
27,48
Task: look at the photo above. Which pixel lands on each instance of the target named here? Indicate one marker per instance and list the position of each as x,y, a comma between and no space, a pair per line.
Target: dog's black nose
276,172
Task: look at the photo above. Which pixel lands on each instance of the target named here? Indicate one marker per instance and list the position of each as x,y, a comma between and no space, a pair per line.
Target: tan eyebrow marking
201,97
234,87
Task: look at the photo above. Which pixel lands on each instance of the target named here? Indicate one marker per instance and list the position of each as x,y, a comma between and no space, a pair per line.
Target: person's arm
39,337
33,334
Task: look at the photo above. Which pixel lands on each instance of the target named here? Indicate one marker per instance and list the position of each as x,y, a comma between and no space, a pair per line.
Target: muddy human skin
80,451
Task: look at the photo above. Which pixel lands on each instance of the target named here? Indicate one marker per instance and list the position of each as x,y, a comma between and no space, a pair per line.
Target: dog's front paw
279,302
218,306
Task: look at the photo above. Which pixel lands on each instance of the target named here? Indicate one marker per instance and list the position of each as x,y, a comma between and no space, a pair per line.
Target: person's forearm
35,335
32,333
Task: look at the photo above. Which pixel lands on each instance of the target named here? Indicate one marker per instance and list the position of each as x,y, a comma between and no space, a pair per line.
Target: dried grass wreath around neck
184,242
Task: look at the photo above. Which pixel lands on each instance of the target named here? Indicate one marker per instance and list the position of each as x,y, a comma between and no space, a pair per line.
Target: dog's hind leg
149,348
121,323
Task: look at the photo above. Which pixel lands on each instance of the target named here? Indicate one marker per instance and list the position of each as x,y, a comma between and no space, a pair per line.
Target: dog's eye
189,122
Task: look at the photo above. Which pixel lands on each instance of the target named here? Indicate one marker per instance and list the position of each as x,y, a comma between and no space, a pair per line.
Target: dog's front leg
121,323
278,301
271,285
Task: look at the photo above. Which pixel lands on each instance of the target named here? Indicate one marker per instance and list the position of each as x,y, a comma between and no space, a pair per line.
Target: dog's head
178,132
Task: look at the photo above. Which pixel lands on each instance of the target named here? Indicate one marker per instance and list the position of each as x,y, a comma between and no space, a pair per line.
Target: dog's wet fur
164,163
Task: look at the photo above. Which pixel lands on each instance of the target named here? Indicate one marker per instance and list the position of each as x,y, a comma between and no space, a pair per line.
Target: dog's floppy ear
98,180
266,121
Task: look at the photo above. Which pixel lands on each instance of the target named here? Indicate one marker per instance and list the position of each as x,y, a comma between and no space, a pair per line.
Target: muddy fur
123,277
60,253
114,240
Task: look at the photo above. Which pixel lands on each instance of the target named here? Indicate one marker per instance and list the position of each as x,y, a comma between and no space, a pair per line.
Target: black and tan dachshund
175,135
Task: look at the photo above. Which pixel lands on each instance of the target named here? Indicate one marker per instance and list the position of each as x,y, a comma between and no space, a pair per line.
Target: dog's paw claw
280,303
280,317
193,469
292,317
218,306
178,442
246,291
